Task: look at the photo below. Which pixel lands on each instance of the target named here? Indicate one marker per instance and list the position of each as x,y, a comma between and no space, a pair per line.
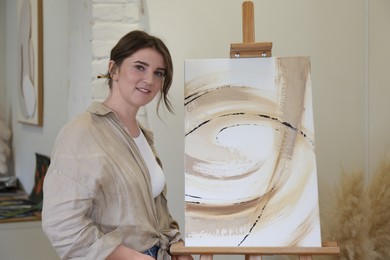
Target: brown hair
135,41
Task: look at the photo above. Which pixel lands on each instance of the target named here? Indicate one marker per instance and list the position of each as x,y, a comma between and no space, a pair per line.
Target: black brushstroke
192,196
197,95
255,223
205,122
260,115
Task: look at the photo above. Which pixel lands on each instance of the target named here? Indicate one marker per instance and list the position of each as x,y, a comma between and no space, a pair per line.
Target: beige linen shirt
98,194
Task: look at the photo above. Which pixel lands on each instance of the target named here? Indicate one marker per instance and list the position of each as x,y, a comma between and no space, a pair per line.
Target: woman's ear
113,70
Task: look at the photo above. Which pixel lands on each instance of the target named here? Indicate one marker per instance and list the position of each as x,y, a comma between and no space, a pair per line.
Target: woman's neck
127,117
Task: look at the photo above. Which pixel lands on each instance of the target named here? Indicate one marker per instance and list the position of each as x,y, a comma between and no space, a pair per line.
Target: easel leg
252,257
305,257
206,257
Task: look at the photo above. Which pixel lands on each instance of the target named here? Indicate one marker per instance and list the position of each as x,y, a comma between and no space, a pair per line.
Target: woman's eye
139,67
160,74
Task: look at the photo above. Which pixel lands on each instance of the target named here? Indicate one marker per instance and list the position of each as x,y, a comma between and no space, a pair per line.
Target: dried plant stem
358,215
379,194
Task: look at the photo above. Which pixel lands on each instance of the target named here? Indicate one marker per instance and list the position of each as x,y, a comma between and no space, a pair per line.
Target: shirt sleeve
66,223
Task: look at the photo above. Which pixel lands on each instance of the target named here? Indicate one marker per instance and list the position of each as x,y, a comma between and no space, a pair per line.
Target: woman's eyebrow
142,62
147,64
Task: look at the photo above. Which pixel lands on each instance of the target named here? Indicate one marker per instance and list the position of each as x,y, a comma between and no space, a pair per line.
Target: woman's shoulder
77,135
78,125
85,121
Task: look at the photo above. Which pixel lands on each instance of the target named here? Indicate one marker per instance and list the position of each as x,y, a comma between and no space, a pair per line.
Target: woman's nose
149,78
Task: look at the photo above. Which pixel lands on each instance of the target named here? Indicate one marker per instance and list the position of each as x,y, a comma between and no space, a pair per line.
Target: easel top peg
249,48
248,18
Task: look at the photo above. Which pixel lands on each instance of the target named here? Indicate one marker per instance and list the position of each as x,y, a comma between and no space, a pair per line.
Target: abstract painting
250,164
30,62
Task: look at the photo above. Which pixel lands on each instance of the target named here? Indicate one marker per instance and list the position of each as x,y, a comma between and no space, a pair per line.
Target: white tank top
156,173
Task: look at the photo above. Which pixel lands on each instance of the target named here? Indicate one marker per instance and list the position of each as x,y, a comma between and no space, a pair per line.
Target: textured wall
95,27
110,21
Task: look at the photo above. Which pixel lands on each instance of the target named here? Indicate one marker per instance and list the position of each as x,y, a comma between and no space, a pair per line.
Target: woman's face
139,78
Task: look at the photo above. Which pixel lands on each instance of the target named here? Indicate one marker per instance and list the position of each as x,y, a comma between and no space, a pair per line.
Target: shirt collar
98,108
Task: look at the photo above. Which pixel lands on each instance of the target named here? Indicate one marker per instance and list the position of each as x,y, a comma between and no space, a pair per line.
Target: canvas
250,165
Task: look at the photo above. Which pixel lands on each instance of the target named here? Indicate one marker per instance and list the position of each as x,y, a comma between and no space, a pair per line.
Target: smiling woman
105,190
134,83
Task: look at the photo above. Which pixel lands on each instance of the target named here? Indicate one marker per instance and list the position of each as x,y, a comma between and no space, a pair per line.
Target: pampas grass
358,215
347,222
379,194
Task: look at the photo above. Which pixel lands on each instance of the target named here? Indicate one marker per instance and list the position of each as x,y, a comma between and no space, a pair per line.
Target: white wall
29,139
378,91
79,85
25,240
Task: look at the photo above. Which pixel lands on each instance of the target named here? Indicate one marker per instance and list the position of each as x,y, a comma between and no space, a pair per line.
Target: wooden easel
251,49
256,253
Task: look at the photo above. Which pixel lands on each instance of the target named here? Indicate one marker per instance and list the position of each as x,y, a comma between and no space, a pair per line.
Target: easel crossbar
328,248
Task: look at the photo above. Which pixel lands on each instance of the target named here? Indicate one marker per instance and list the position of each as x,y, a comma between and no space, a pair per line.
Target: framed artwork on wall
250,165
30,62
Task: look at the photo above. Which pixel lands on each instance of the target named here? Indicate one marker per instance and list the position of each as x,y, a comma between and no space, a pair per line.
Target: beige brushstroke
304,228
